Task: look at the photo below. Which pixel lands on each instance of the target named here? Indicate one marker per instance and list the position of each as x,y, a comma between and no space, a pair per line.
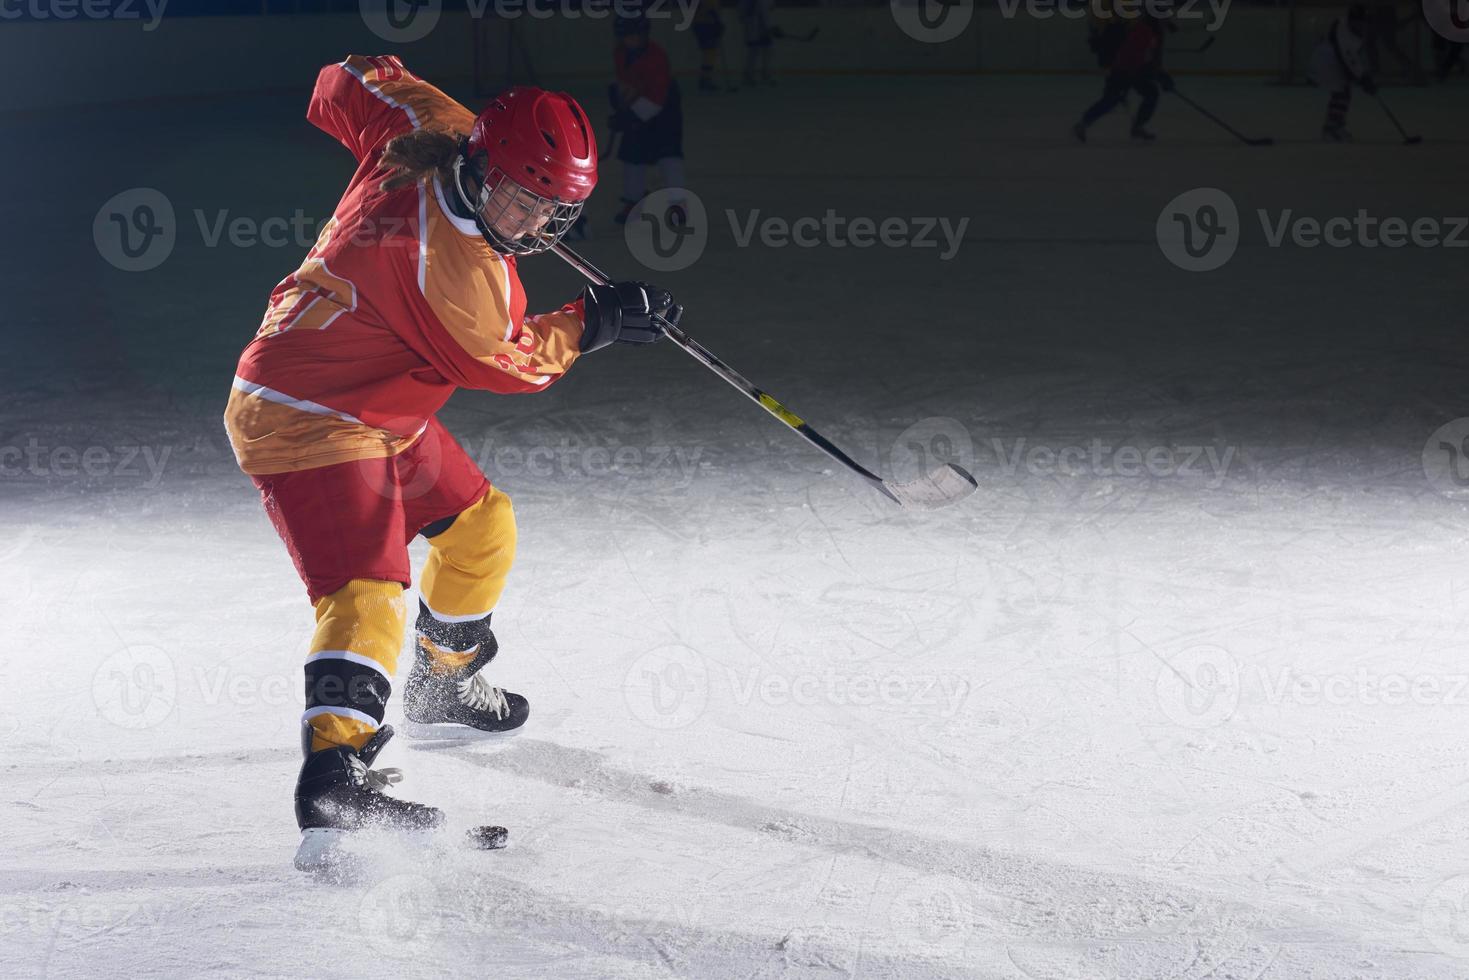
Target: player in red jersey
410,292
647,109
1133,56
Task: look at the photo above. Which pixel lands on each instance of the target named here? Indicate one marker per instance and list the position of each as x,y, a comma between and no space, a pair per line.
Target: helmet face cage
510,223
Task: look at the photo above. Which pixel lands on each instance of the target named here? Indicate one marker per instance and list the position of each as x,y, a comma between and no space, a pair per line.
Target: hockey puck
487,838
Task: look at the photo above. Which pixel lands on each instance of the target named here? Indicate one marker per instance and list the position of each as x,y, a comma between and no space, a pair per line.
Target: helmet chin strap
461,198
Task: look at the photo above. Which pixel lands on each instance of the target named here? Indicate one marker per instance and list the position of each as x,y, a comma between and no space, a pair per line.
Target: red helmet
542,144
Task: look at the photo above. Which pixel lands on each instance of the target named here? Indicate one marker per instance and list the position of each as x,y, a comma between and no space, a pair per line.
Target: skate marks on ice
434,912
970,899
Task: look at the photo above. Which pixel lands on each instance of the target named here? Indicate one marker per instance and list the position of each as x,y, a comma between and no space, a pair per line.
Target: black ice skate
459,702
337,794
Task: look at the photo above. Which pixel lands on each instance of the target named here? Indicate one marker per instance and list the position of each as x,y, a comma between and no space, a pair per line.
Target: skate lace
375,779
480,695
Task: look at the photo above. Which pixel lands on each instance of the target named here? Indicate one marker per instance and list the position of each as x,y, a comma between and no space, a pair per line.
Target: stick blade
946,485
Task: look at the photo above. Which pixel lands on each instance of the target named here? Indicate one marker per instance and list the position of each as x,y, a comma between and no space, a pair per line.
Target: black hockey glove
1369,84
1165,81
622,313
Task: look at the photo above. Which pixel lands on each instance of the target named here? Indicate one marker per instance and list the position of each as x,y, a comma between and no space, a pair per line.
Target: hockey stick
942,486
609,146
1257,141
1208,43
724,69
1407,140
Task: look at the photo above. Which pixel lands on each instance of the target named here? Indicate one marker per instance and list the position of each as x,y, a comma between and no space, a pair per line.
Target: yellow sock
468,564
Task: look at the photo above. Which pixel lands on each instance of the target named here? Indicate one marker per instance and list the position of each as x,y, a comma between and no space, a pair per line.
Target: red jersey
1140,49
645,74
399,302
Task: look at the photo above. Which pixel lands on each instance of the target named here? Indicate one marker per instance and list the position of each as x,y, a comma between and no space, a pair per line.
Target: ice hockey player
709,33
411,291
755,18
1137,64
648,110
1340,59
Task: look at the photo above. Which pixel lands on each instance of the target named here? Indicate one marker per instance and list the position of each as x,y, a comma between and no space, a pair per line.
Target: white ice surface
779,727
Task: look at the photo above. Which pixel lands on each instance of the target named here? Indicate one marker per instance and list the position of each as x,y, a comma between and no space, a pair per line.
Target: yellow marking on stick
775,408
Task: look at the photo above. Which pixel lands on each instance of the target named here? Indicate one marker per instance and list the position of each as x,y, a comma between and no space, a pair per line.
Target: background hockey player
755,18
1340,60
708,30
1136,65
648,110
410,292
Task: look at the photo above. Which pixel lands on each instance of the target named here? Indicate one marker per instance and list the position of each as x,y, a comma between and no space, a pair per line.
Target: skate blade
321,851
345,855
451,732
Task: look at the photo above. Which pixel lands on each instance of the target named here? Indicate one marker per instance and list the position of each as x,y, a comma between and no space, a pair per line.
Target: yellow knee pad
354,652
467,564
